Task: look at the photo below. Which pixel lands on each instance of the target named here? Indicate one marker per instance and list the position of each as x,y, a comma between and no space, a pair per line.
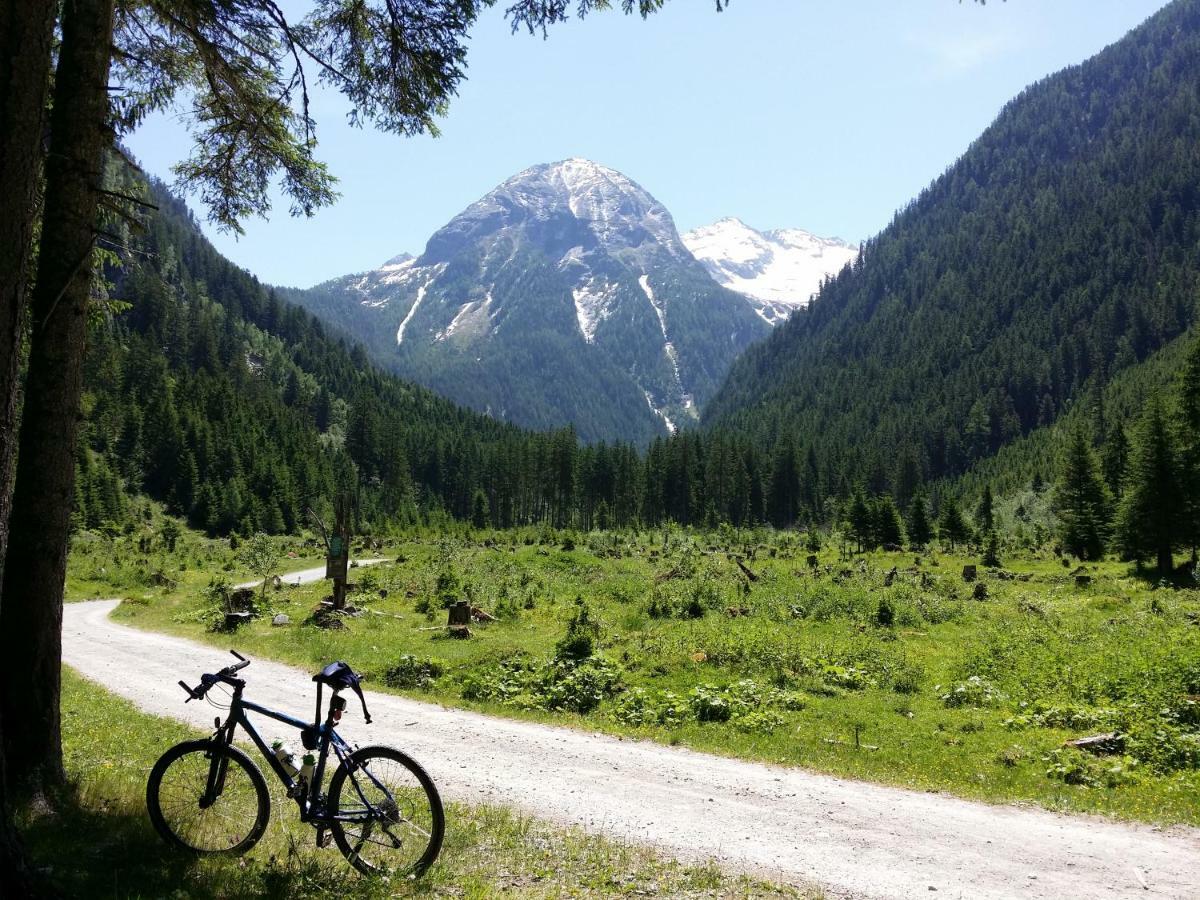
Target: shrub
411,672
582,635
1165,747
1065,716
758,721
448,588
884,614
709,704
1073,767
579,687
975,691
907,678
552,685
635,707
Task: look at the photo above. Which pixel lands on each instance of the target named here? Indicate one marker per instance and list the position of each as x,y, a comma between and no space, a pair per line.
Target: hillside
237,409
1056,253
564,296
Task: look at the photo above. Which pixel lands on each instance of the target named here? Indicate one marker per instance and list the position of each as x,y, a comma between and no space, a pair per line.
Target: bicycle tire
374,864
166,821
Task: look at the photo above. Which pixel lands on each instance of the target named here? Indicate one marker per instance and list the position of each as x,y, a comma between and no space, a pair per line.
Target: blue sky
819,114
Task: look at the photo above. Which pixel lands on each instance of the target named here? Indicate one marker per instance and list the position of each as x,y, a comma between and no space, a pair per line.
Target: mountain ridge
1056,252
778,270
564,295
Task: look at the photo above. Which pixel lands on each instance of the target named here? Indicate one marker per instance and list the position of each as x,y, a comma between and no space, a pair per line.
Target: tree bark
16,878
39,526
1166,561
26,40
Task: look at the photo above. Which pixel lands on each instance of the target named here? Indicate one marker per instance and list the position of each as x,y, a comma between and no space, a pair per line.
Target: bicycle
382,809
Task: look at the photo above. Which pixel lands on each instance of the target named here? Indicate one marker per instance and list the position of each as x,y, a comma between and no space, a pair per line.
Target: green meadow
889,667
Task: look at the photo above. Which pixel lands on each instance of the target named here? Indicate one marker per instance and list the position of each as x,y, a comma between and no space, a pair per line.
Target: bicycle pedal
324,837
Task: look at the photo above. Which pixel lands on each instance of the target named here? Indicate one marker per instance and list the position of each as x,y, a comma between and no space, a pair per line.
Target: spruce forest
931,541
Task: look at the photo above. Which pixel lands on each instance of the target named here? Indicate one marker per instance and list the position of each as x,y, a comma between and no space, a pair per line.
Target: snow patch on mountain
412,310
660,413
592,305
669,348
778,270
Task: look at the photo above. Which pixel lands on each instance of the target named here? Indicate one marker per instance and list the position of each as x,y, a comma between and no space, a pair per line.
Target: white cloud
956,51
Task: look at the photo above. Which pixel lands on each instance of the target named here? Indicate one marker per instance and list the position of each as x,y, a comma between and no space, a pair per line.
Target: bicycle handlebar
208,680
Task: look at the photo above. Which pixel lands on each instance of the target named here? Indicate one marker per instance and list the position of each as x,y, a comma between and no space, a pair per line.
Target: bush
448,588
884,614
552,685
1074,767
411,672
1066,716
976,691
579,687
1165,747
709,704
907,678
758,721
582,635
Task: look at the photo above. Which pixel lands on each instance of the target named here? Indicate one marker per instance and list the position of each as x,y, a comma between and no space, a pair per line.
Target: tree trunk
31,610
16,879
1166,561
26,38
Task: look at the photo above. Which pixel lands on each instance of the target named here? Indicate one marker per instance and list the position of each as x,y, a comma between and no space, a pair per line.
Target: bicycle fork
219,765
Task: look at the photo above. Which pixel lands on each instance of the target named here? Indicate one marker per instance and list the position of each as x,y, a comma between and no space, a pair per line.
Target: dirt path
852,838
306,576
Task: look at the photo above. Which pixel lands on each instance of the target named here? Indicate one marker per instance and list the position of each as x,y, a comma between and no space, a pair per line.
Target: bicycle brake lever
191,694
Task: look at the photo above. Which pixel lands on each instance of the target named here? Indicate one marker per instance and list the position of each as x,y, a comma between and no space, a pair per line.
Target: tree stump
969,573
459,619
1099,744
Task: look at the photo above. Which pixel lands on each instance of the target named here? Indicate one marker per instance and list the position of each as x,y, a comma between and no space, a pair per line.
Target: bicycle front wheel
387,815
205,797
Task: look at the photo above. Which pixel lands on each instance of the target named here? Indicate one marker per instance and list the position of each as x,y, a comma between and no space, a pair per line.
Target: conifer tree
859,521
952,527
480,514
1115,458
888,528
920,530
784,491
1082,501
1151,515
1189,439
985,516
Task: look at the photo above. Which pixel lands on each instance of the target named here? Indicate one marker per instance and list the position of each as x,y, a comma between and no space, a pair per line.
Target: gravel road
306,576
852,838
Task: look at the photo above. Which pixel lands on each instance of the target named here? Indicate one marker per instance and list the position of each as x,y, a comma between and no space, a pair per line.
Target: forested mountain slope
236,409
1059,250
563,296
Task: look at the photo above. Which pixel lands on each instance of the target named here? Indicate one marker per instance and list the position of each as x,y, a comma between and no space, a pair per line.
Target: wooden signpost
337,548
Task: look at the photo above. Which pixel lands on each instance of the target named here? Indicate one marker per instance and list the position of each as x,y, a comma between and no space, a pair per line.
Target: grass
99,843
913,683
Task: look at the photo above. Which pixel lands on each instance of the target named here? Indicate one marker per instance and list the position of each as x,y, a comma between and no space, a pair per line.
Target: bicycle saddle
339,676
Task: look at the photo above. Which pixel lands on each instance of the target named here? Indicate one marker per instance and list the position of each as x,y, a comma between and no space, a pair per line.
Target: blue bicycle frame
321,737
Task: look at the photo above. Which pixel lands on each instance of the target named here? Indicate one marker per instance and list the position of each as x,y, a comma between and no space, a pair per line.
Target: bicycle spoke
226,822
397,823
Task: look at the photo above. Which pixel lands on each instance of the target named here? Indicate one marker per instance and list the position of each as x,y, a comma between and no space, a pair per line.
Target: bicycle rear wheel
208,798
390,818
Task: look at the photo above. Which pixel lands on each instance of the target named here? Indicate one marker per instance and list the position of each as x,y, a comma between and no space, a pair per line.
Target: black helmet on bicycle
340,677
